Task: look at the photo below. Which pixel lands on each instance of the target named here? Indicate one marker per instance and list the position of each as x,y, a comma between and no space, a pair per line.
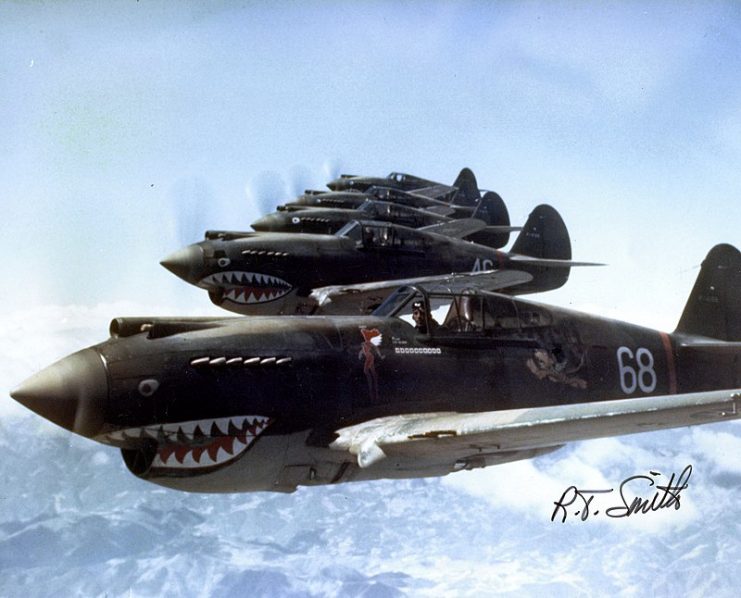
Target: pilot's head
419,314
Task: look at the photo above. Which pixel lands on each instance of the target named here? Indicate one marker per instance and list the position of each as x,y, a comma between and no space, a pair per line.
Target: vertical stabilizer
544,235
492,210
468,189
714,306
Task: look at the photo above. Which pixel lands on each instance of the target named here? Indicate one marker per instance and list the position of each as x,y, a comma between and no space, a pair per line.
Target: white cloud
719,449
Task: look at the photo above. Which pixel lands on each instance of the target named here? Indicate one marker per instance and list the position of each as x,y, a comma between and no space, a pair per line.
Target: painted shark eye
148,387
223,262
296,220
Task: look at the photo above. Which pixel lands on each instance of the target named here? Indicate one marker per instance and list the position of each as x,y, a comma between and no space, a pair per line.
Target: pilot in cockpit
423,322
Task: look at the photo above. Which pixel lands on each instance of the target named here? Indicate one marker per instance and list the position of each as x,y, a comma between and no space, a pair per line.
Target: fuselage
274,273
350,200
395,180
253,403
327,221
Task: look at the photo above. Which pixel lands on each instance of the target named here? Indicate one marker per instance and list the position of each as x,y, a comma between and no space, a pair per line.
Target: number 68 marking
630,378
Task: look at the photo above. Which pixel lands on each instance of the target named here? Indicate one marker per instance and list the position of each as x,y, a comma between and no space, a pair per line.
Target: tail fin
544,235
491,209
714,306
468,189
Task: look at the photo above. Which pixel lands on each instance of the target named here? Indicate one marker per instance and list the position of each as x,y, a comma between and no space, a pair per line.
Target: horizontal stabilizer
721,347
546,263
502,229
440,210
457,229
440,192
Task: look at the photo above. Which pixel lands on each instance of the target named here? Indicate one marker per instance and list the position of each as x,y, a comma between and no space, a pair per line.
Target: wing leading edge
532,429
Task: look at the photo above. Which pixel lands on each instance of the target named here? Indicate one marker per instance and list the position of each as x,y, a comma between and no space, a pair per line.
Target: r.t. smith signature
664,497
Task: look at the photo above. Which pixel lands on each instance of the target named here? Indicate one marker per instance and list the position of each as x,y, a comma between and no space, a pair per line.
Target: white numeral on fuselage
482,264
630,378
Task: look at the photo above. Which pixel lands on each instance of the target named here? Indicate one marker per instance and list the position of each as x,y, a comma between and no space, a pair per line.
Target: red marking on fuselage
368,351
670,363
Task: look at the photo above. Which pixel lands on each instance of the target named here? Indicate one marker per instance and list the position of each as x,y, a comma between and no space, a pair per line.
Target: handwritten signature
580,503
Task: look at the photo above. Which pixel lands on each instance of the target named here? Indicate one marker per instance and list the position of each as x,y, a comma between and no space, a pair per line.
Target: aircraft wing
346,297
478,435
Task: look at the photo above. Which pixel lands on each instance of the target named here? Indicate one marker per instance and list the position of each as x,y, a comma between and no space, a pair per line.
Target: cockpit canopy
448,313
399,177
409,180
377,209
375,235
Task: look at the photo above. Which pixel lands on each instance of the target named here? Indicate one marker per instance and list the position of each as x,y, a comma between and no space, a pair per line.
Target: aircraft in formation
464,186
361,264
452,371
462,198
328,220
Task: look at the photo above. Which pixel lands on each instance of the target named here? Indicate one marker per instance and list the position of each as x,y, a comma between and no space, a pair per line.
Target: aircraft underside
281,463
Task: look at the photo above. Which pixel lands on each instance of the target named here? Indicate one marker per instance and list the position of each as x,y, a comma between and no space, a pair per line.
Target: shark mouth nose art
195,445
247,287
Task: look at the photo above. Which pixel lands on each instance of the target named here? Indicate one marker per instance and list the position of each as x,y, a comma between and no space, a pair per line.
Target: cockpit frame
470,312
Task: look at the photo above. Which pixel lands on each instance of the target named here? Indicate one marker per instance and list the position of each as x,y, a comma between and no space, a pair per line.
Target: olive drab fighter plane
355,269
460,198
464,189
273,403
407,208
351,200
327,220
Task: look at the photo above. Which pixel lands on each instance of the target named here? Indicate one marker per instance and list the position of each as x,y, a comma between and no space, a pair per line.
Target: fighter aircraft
327,220
273,403
464,194
352,200
464,190
490,207
289,273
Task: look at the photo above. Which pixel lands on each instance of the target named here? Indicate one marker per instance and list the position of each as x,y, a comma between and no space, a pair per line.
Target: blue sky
129,128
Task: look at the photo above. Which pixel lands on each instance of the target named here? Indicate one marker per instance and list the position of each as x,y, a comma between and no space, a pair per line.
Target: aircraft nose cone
70,392
267,223
185,263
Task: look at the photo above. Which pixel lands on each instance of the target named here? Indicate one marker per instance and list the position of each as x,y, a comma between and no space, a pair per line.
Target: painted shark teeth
197,444
247,287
